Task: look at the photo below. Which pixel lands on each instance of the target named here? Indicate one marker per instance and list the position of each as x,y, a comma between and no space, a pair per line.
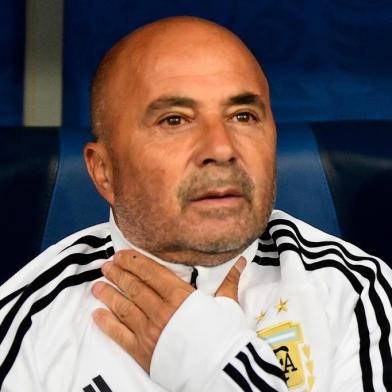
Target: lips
221,193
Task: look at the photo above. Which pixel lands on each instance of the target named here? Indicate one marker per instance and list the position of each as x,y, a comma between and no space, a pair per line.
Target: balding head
129,58
186,141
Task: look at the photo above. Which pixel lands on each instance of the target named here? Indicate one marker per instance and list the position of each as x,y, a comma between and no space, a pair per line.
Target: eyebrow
247,99
166,102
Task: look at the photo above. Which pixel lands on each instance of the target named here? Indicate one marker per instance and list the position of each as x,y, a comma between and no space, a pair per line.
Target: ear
99,167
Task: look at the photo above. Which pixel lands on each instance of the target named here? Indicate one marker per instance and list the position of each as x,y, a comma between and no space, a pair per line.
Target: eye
244,117
172,121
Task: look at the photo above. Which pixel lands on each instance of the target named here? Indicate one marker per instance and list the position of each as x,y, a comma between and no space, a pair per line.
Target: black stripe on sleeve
46,277
378,306
101,384
4,301
91,240
42,303
88,388
237,377
338,249
364,348
266,366
346,268
257,381
326,263
363,330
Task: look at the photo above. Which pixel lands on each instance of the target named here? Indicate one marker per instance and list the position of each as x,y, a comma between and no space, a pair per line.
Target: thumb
229,287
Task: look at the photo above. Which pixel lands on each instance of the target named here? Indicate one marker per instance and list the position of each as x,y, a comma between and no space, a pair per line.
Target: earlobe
99,167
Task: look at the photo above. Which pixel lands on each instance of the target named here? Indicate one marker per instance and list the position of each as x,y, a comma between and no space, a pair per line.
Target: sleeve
208,346
18,363
22,375
363,361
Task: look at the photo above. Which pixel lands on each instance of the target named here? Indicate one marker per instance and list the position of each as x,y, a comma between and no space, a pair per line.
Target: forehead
200,68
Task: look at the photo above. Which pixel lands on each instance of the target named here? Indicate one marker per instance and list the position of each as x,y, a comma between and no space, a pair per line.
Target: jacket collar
209,278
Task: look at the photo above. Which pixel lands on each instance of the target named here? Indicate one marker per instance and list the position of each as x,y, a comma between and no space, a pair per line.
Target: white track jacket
314,314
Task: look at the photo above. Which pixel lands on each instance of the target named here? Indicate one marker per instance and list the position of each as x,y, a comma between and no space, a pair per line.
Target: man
208,289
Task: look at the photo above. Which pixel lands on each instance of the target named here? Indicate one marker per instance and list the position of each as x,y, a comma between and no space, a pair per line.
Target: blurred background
325,59
329,66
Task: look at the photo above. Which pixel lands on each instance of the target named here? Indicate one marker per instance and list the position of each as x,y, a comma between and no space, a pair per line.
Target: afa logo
286,339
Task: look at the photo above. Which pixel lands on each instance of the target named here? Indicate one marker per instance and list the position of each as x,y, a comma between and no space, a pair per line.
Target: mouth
219,197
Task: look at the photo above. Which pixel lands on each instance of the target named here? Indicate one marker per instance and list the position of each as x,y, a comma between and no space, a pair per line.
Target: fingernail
97,288
240,264
106,267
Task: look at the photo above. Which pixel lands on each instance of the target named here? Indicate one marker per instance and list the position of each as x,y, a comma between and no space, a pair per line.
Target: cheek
256,147
261,167
151,180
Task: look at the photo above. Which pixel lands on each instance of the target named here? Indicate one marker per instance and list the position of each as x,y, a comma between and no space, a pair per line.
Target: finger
164,281
145,298
133,288
229,287
131,330
124,309
117,331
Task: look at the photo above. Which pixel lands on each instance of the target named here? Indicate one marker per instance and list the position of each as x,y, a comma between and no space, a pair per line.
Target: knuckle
124,309
232,278
123,259
134,288
122,255
129,285
122,280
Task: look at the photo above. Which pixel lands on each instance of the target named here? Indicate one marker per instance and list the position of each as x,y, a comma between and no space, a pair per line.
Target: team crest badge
286,339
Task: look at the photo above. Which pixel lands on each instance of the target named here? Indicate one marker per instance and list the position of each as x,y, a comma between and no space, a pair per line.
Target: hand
150,295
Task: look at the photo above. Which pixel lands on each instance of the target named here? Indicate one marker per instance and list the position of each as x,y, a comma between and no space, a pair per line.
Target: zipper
194,276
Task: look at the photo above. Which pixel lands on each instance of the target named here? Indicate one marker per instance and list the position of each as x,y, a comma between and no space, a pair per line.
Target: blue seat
336,176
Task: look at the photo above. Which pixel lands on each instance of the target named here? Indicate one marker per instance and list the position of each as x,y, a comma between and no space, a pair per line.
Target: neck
210,273
196,258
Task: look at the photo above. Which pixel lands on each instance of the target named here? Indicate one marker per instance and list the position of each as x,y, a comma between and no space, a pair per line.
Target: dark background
326,60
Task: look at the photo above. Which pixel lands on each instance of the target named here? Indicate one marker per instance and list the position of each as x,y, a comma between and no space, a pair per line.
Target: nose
215,145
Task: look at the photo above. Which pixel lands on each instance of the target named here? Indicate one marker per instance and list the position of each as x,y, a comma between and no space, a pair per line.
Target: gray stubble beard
151,234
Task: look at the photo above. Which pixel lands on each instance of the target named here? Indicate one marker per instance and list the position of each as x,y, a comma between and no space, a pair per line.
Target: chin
219,240
206,246
224,245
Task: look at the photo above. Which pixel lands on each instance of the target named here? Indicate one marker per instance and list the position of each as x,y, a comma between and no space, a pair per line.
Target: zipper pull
194,276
